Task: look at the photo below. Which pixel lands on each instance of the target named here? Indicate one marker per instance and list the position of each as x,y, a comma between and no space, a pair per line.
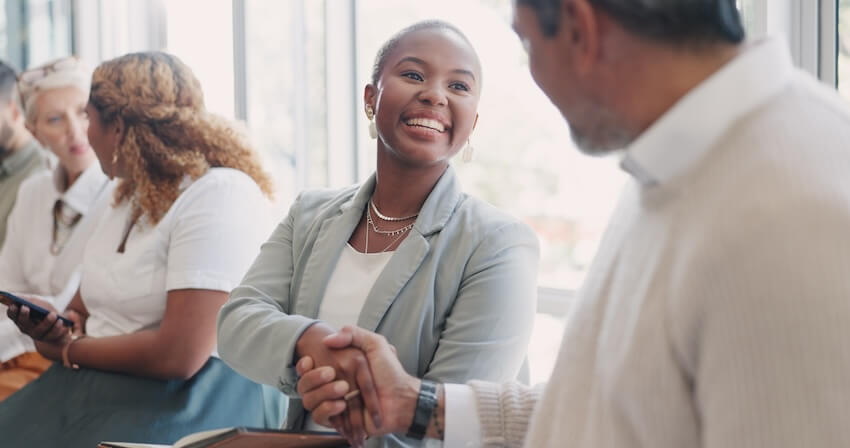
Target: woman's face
103,139
426,100
60,124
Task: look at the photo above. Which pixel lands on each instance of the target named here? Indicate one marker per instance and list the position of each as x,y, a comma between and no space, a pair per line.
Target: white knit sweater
717,311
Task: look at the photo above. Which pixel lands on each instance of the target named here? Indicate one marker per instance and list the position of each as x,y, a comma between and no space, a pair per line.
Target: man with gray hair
20,153
716,311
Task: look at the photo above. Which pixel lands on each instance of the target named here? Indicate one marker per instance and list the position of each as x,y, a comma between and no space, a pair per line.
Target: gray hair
676,22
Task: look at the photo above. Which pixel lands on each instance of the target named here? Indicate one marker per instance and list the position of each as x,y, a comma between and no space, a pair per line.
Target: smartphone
37,313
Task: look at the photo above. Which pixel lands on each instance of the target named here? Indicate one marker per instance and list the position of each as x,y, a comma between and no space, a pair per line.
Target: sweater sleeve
504,411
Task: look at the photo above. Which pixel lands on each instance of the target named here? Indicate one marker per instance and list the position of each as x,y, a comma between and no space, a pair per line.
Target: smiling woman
417,102
446,278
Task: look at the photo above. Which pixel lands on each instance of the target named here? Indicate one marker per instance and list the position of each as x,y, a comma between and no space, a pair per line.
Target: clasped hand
50,335
386,390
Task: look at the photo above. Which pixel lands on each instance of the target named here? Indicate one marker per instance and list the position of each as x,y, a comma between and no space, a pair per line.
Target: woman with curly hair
189,213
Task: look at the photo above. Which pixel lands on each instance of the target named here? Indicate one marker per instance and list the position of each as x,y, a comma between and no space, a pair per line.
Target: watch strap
425,404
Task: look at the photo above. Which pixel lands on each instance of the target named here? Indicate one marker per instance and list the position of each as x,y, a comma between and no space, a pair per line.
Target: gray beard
609,141
605,132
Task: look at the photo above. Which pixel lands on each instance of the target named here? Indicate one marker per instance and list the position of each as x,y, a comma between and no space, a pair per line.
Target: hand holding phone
37,313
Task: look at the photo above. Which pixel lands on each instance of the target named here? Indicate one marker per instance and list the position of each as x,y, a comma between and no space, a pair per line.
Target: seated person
446,278
187,218
45,233
20,154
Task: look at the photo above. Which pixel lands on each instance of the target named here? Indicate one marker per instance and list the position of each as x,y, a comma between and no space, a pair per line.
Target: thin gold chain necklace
400,232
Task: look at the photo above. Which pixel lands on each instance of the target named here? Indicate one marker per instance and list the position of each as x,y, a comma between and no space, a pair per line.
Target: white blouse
27,265
206,240
352,279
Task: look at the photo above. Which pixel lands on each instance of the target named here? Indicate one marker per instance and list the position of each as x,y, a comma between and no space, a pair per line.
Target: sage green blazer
457,299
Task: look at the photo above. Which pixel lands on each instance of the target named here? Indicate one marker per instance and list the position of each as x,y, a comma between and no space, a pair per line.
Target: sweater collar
688,130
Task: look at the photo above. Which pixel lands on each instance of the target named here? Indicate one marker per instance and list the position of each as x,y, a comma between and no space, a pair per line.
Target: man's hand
397,391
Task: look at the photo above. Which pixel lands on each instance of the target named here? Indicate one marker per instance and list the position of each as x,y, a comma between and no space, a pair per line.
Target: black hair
677,22
8,80
392,43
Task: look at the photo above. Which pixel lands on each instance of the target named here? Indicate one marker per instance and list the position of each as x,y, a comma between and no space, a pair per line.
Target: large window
286,95
843,47
206,46
34,31
281,90
4,29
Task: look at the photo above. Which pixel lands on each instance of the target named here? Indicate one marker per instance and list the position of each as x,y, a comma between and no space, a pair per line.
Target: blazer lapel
403,264
330,240
435,213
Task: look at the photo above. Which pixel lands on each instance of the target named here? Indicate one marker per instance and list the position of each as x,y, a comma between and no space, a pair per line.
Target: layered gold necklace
398,234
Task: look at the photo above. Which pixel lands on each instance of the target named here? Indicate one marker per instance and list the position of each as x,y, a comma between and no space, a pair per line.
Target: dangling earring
468,152
373,130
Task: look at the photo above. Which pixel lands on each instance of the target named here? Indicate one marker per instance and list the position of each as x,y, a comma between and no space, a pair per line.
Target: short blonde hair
63,72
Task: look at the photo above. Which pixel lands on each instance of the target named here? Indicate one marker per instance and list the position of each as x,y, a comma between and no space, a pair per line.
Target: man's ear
580,31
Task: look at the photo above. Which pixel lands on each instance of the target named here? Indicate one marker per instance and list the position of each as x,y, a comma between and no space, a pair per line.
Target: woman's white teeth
427,123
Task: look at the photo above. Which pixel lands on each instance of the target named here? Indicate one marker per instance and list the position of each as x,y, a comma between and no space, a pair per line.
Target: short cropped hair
392,43
676,22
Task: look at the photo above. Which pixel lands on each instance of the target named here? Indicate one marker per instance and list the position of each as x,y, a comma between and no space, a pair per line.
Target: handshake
353,381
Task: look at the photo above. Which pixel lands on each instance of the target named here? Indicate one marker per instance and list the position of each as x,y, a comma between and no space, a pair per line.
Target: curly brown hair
168,132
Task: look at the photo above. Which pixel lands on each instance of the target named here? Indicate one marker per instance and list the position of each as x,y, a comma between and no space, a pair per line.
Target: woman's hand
321,395
324,398
350,366
79,321
50,335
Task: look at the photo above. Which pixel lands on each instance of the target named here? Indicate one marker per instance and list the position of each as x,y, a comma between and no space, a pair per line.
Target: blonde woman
189,213
46,232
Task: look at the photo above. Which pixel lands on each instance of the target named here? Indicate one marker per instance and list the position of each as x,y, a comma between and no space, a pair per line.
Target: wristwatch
65,360
425,404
